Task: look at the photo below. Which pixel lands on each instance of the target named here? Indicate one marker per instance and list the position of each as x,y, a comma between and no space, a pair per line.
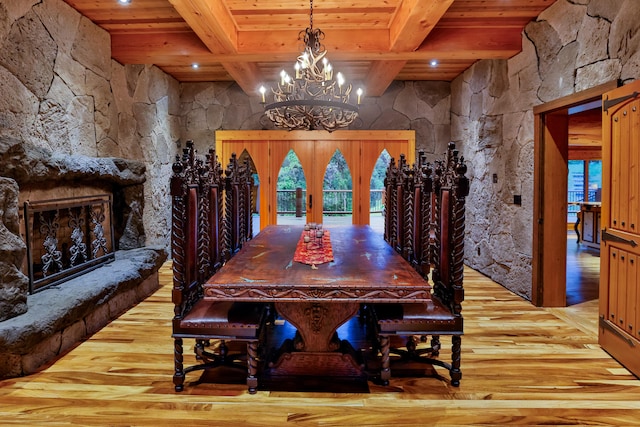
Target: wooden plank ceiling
372,42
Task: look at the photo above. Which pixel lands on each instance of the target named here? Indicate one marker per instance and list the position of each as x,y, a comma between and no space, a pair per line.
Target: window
584,184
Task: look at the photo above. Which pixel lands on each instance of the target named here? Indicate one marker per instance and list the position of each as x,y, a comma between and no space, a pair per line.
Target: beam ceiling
372,42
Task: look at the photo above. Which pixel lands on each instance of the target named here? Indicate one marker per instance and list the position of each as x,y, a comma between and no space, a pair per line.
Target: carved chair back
197,243
390,200
421,223
408,215
238,201
397,213
451,189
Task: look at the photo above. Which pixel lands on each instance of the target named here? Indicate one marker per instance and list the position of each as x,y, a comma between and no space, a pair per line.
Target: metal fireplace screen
67,237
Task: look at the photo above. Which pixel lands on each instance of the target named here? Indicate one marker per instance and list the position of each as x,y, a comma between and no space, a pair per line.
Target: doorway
337,192
584,204
359,152
551,157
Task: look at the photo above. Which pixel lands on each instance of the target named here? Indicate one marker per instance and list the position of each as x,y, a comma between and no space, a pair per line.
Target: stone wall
61,93
14,284
420,106
572,46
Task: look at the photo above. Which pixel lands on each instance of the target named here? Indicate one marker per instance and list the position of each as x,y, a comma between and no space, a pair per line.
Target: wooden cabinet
590,224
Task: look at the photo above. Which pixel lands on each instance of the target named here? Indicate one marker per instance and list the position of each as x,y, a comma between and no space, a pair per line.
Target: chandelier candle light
313,99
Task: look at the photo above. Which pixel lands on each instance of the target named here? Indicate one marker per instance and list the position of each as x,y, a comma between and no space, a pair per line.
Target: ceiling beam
170,48
413,22
246,74
212,22
216,27
380,76
336,40
130,49
456,43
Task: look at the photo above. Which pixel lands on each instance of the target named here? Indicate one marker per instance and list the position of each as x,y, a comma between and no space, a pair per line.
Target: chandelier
313,98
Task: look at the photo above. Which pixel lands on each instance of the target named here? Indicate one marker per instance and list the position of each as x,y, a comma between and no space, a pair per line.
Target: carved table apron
317,300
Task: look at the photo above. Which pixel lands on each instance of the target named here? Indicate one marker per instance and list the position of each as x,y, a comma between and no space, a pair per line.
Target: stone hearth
63,315
37,328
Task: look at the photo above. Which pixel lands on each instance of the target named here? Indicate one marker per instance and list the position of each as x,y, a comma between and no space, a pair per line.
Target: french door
314,157
619,295
315,149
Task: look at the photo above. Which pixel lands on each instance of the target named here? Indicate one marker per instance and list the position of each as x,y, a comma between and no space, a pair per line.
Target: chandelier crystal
312,98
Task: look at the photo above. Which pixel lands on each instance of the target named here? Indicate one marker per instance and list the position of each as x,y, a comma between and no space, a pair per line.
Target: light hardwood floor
521,365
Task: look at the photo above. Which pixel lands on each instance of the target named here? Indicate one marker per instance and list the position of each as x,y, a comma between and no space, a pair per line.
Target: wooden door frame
551,146
369,138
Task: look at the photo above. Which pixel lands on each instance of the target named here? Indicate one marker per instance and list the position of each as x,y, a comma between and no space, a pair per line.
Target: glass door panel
337,192
376,192
255,196
291,190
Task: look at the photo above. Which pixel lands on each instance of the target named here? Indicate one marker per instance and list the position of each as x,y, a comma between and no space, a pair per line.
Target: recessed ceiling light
194,66
124,1
434,63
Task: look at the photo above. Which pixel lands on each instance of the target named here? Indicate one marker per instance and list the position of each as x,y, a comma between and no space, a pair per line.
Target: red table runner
315,251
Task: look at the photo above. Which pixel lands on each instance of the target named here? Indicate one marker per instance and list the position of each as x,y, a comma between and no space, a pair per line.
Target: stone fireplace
75,123
48,196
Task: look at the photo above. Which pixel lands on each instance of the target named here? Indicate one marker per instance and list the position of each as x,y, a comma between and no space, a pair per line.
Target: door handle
310,201
605,236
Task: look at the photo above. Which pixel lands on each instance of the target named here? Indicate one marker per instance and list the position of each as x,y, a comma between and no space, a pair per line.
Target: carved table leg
317,350
317,322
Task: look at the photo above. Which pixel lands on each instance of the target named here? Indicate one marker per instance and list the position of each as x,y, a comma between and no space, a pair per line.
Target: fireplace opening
67,237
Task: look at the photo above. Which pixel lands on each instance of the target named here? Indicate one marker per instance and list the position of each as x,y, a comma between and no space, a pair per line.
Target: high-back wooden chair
408,211
238,202
397,213
198,250
390,201
420,222
440,231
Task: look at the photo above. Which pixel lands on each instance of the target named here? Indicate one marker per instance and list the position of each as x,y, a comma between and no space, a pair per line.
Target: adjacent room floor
583,271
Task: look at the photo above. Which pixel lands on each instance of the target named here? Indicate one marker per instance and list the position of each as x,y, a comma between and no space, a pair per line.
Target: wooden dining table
317,298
